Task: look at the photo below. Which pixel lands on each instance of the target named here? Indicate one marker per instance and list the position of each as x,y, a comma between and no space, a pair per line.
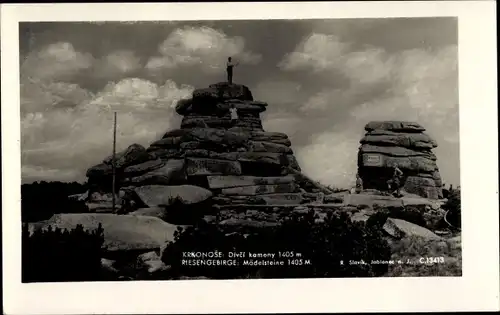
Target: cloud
72,139
118,63
278,92
412,85
204,47
55,62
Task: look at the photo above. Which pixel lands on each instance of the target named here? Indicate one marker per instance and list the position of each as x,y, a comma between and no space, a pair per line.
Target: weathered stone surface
217,136
401,126
156,195
216,182
263,146
134,154
263,157
201,166
121,232
334,198
396,151
425,187
260,189
412,163
165,154
292,162
184,106
139,169
283,198
241,107
268,135
221,91
406,140
171,173
399,229
371,200
248,223
201,153
168,142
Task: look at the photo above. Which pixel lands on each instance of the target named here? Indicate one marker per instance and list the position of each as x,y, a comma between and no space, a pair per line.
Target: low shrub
412,249
329,246
41,200
55,255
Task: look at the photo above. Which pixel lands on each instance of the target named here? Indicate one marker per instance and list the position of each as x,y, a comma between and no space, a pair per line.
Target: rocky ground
240,177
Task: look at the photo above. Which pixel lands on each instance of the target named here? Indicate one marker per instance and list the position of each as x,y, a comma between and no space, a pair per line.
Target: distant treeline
40,200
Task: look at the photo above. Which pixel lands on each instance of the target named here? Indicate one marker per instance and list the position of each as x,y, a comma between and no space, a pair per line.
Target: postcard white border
477,289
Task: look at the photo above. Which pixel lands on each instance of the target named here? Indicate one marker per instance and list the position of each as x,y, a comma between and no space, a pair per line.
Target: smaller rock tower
403,144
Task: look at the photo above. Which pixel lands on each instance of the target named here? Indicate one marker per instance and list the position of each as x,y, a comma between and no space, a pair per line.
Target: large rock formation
403,144
234,161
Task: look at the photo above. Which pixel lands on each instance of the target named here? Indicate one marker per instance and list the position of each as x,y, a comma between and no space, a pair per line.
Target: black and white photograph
240,149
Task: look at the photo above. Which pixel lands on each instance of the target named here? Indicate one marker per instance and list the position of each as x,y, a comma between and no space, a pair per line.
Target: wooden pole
113,162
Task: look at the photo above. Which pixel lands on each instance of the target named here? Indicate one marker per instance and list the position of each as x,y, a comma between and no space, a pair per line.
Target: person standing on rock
395,182
234,115
229,68
359,183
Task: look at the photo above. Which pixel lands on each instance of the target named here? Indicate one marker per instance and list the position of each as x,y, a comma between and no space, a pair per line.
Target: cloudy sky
323,80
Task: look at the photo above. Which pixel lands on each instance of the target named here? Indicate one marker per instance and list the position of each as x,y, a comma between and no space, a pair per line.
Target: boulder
216,182
400,126
171,173
121,232
201,166
241,107
156,195
139,169
406,140
183,106
399,229
168,142
157,212
260,189
164,154
134,154
100,170
151,262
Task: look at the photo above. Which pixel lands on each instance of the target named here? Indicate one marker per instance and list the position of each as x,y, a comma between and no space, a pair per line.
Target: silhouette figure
234,115
359,184
394,184
229,68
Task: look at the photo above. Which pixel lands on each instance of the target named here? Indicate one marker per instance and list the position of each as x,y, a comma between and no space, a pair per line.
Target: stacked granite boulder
403,144
209,156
